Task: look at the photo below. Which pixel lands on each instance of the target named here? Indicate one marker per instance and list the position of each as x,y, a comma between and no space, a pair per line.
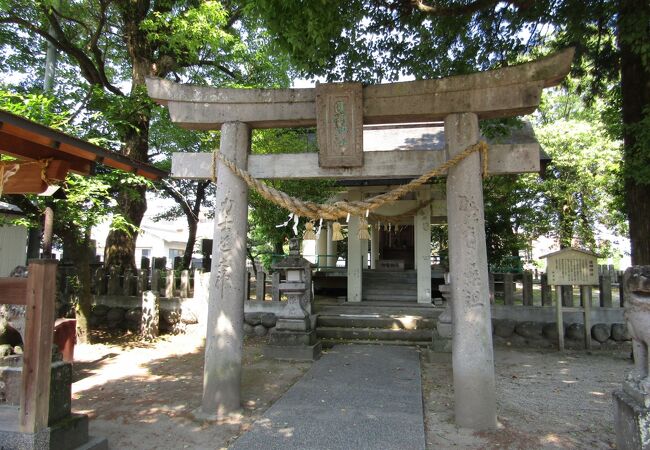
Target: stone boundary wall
118,312
535,326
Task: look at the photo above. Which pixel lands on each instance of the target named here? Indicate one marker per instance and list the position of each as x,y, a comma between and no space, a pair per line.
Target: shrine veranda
339,112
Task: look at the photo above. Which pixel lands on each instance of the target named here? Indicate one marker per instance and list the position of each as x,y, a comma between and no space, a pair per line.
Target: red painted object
65,336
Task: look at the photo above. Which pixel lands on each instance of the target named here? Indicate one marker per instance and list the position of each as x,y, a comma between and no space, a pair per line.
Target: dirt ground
141,396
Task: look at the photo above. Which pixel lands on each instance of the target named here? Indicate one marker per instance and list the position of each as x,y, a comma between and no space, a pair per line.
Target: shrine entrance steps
382,322
397,286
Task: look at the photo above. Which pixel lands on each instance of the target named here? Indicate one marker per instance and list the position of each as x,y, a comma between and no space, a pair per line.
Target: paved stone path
354,397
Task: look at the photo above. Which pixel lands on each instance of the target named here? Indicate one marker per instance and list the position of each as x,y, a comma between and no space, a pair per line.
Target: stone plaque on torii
459,101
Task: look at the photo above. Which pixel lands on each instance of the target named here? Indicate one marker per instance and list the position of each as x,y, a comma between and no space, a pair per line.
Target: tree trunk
191,240
132,204
78,250
120,244
633,36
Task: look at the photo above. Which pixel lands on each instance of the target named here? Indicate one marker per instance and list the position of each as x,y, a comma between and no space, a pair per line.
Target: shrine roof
27,140
569,250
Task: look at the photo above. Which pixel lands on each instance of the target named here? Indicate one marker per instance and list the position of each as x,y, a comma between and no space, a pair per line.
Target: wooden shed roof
28,141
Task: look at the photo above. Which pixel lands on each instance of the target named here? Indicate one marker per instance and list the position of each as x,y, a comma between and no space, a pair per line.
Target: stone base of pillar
293,352
632,418
444,325
293,339
440,344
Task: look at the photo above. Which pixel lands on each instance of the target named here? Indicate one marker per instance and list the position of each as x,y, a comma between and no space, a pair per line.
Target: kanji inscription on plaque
571,266
339,118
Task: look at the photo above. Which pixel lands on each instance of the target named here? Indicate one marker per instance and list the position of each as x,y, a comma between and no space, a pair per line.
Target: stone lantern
294,336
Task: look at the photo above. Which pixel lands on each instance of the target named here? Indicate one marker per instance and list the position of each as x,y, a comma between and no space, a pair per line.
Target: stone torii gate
341,110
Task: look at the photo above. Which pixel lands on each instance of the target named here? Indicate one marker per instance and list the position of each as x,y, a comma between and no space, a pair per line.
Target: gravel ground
545,400
141,396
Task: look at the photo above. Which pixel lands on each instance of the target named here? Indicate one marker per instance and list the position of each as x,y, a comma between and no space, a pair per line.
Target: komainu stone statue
637,315
632,402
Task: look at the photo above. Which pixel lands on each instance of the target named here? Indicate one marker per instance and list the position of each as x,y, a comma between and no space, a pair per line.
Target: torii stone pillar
422,231
355,271
321,248
224,336
374,246
472,353
331,246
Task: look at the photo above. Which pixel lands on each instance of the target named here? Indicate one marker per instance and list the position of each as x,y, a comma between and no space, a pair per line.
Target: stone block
259,330
549,331
504,328
269,320
248,329
619,332
297,324
293,352
115,315
631,422
170,316
600,332
529,330
254,318
67,434
101,310
60,386
150,316
575,332
133,315
292,338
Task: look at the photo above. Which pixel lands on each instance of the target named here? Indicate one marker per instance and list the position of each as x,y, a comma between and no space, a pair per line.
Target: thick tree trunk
120,245
633,37
78,250
132,204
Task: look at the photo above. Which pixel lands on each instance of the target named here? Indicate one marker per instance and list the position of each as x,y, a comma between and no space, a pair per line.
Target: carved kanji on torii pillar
459,101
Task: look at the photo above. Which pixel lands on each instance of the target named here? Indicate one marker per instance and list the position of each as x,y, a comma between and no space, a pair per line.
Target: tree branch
442,10
180,199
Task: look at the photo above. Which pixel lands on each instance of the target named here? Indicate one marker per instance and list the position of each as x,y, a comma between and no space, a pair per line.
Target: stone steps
380,334
329,343
376,323
389,286
377,308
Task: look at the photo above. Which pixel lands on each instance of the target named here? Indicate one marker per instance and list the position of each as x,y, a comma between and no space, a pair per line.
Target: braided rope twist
340,209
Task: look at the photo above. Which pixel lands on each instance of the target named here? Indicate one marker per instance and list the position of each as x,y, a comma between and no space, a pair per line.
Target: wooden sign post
572,267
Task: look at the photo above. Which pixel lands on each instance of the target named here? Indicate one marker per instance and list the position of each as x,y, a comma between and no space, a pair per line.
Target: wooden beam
503,159
504,92
37,357
28,179
23,149
13,291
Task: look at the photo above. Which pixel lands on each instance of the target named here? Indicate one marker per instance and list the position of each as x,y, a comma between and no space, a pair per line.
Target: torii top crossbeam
506,92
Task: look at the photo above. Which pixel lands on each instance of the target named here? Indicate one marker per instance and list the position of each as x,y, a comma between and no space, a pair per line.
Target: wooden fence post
585,296
260,280
546,291
527,282
113,281
567,295
185,284
621,290
275,291
156,281
170,283
605,284
508,289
